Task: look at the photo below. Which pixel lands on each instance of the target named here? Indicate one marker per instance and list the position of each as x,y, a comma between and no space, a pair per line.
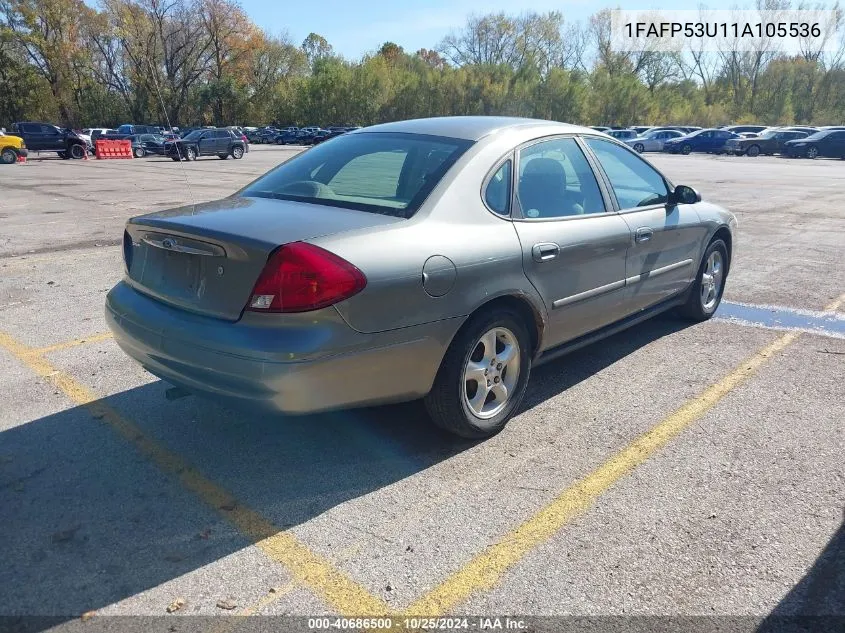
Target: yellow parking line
307,568
94,338
485,570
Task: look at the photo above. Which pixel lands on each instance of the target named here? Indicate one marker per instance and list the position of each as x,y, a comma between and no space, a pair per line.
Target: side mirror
683,194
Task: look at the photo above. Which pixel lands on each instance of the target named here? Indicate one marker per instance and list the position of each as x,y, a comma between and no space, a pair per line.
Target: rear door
573,243
833,145
662,252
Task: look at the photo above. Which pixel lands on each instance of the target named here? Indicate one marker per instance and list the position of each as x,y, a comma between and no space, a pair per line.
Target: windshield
387,173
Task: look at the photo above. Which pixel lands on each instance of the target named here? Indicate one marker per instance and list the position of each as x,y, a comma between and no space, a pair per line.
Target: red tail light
300,277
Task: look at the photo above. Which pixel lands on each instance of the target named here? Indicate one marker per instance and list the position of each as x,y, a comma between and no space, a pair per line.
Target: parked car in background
600,128
214,142
131,128
45,137
623,134
11,148
707,140
769,142
826,143
319,136
143,144
344,285
287,138
642,129
652,141
832,127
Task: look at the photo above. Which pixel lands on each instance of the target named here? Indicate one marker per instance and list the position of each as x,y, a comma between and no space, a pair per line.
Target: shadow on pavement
817,602
86,521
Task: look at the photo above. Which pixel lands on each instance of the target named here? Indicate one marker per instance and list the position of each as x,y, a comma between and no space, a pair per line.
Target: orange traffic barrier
21,159
113,149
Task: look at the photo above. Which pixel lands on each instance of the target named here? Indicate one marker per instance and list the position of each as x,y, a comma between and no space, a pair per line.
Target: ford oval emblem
167,243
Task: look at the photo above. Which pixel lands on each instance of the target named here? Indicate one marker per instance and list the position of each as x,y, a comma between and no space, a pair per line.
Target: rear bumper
306,365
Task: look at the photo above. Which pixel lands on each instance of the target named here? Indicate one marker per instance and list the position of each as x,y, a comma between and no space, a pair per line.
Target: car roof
471,128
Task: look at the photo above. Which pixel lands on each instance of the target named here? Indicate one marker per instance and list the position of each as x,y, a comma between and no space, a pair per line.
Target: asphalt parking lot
670,470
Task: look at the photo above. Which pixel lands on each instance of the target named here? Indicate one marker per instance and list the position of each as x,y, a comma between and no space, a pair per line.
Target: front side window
555,180
497,194
390,173
635,182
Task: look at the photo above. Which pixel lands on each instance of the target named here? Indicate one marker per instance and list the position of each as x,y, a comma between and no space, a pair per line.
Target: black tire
237,152
812,152
175,159
63,155
753,151
8,156
446,403
694,309
139,152
639,148
77,151
222,156
686,149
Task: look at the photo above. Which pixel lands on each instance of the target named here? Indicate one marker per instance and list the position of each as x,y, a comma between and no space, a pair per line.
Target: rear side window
497,194
635,182
390,173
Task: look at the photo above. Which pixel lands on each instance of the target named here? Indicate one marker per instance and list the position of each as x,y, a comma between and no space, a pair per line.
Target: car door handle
545,251
643,234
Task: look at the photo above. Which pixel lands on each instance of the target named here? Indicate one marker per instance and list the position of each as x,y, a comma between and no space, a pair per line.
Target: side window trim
516,208
510,156
606,180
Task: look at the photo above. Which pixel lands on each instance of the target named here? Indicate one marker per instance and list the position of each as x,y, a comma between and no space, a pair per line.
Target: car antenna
170,127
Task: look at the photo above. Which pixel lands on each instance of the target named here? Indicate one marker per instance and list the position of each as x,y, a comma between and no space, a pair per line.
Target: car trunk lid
206,258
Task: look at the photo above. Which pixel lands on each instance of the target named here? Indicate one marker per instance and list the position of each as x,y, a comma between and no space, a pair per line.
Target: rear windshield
387,173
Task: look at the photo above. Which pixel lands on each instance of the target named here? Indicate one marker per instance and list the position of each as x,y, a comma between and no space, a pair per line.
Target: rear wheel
754,150
639,148
686,149
77,152
237,152
8,156
483,376
706,292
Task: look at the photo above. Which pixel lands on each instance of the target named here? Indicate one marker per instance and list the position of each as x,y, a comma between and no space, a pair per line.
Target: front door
573,243
665,238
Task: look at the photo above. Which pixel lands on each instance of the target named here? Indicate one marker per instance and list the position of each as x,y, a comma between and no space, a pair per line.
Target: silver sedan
652,141
437,259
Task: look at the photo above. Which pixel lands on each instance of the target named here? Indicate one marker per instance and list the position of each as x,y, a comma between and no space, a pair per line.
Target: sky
355,28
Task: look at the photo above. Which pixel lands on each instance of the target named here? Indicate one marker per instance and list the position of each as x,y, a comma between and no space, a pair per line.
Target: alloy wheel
711,281
491,372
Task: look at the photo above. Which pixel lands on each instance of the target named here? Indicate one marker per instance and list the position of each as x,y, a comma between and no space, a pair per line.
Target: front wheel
483,376
639,148
686,149
190,154
77,152
138,152
8,156
706,292
812,152
753,151
237,153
